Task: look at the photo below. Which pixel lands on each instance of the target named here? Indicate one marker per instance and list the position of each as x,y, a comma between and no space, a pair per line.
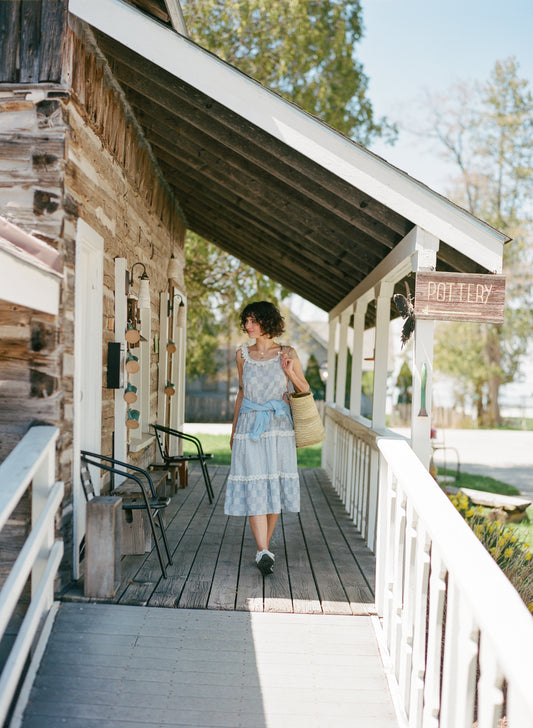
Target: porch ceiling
277,205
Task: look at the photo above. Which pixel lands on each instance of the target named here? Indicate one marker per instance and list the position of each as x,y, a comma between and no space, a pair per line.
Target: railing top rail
20,466
359,426
495,604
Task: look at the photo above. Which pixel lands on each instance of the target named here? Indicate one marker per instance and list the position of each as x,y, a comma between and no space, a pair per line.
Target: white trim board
28,285
294,127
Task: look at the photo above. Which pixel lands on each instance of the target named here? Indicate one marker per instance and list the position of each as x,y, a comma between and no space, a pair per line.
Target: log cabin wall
36,349
71,149
113,182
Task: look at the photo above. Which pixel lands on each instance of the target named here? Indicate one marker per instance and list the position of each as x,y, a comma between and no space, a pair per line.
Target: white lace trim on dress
267,476
247,357
273,433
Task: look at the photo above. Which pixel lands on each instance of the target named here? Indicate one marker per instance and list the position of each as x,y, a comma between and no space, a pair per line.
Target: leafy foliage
485,130
219,286
404,382
301,48
312,374
512,555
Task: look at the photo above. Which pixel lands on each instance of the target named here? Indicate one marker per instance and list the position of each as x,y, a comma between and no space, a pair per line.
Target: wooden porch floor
322,564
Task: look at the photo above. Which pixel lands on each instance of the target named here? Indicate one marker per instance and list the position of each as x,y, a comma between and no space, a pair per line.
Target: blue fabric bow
278,406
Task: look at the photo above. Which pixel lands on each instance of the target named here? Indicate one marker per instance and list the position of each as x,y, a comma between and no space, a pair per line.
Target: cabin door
89,282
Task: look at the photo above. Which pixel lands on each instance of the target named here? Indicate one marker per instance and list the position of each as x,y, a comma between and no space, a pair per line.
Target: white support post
162,357
177,402
330,384
121,313
340,393
359,313
424,259
144,379
180,383
381,353
422,385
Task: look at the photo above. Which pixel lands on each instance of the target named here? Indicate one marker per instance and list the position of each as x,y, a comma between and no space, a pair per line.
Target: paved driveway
503,454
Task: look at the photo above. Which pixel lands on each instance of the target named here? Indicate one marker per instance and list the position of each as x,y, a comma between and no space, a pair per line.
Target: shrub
512,555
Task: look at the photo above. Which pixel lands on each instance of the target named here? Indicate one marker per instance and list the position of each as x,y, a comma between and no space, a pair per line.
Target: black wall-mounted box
115,365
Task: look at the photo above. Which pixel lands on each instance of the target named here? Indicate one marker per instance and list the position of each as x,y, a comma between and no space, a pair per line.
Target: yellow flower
528,556
470,512
508,552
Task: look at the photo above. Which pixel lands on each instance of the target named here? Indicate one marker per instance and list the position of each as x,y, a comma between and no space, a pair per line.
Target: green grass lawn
479,482
308,457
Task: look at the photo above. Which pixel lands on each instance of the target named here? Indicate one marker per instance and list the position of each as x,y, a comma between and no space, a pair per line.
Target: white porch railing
351,459
31,463
458,635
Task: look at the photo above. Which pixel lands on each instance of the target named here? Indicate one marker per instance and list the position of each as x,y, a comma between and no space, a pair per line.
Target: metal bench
172,462
144,499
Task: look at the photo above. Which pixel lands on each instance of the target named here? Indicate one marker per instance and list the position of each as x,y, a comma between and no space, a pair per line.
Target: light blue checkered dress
263,476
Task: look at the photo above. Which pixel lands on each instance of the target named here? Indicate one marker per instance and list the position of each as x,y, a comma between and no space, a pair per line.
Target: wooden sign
460,297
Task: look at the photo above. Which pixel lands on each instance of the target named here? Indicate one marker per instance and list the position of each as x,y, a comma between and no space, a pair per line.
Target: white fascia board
291,125
26,285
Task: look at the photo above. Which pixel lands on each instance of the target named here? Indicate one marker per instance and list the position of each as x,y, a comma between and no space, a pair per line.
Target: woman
263,478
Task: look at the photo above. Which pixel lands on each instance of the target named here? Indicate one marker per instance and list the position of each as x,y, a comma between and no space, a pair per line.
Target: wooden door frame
90,242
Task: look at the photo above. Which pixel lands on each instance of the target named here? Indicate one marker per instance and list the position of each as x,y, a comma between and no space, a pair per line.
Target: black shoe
266,564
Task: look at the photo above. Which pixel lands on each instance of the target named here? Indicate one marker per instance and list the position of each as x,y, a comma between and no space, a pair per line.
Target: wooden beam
256,213
238,216
296,162
184,140
273,209
289,261
290,125
174,112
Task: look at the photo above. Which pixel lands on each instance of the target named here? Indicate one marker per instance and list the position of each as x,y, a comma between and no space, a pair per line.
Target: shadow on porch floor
322,564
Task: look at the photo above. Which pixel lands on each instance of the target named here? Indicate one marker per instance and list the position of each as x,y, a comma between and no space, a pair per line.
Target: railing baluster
437,591
519,714
459,665
398,556
408,607
418,665
490,693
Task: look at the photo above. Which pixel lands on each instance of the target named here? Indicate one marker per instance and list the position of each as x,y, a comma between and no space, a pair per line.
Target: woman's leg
259,526
263,528
272,519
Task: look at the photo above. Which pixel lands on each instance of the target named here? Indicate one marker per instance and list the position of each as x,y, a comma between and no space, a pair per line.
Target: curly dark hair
266,315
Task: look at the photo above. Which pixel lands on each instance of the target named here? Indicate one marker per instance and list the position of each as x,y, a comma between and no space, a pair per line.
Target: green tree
404,382
485,129
219,286
304,49
312,374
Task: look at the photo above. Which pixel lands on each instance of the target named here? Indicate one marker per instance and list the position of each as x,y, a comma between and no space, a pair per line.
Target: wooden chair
146,499
172,461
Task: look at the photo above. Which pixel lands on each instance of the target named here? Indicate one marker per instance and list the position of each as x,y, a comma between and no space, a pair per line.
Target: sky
415,45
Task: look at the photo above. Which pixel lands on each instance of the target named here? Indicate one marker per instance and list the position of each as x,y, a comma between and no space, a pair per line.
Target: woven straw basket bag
308,427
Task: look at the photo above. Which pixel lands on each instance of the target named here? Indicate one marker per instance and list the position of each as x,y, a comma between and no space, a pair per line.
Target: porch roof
266,181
